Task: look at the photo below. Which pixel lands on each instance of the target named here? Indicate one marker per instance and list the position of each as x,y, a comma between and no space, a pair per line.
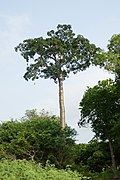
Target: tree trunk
113,159
61,102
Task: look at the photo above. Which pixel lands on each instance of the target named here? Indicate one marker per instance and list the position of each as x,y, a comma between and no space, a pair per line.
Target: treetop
57,55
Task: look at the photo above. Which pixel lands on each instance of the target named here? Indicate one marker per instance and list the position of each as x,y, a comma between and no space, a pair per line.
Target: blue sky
19,20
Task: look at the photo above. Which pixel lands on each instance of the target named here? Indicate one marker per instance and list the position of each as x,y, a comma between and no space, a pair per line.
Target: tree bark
61,102
113,159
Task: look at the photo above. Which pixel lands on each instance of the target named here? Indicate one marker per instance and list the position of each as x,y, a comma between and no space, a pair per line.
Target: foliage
99,108
37,137
28,170
92,157
60,53
112,57
93,160
105,175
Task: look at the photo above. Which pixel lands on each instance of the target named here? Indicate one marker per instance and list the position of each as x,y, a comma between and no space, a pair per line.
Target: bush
28,170
39,138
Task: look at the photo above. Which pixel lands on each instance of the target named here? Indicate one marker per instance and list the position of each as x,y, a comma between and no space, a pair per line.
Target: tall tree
100,107
55,56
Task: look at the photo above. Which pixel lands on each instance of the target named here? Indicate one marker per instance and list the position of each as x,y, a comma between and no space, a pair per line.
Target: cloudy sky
19,20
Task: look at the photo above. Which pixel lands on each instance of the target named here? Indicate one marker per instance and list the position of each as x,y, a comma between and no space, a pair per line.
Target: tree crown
112,57
99,108
57,55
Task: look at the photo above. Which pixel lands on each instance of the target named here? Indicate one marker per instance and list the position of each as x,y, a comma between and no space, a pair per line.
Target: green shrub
28,170
38,137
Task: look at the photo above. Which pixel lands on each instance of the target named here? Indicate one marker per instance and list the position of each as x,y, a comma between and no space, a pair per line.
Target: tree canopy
99,107
61,52
112,56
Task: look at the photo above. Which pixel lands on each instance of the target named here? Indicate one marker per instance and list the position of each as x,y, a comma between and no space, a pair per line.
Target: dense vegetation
36,146
17,169
38,138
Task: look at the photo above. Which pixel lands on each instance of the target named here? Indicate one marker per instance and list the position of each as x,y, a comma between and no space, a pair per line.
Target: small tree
56,56
99,108
37,136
